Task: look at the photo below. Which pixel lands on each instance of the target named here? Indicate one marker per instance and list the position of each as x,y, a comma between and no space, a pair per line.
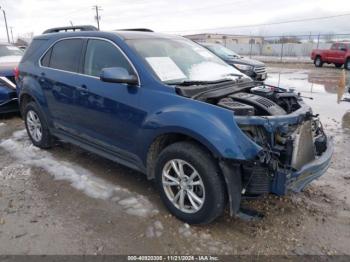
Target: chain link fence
287,48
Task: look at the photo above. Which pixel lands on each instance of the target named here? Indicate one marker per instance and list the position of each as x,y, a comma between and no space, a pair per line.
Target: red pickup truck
338,54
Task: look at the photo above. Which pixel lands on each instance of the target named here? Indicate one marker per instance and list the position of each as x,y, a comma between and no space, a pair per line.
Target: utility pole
7,30
97,17
12,35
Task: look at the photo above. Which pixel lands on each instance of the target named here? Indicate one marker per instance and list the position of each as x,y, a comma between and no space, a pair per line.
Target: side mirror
343,49
118,75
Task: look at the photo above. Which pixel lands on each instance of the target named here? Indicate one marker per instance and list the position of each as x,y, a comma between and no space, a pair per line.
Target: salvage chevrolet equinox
169,108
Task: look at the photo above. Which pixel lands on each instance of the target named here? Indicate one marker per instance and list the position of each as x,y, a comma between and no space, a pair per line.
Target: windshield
9,50
177,60
222,51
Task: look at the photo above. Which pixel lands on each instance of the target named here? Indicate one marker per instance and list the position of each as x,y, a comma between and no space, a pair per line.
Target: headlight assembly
243,67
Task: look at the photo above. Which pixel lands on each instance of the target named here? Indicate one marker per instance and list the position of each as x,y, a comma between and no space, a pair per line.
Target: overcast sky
178,16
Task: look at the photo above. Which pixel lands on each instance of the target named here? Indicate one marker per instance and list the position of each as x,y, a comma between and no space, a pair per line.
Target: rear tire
318,62
209,200
338,65
36,126
347,64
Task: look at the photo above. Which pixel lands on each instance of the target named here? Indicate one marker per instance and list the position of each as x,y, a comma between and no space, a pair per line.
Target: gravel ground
68,201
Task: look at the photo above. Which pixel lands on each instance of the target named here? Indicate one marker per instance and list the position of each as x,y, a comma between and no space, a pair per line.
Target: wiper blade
233,74
190,83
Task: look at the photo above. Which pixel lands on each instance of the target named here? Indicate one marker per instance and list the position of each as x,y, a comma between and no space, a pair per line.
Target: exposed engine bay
261,101
263,113
246,98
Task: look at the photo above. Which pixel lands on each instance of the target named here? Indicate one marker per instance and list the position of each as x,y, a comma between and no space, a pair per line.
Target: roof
140,34
125,35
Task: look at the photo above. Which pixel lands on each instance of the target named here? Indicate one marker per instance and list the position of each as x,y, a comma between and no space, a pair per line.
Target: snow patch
155,230
185,230
80,178
18,135
205,240
207,71
2,124
14,171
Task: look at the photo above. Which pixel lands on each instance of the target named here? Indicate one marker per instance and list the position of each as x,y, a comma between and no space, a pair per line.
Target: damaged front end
295,150
8,96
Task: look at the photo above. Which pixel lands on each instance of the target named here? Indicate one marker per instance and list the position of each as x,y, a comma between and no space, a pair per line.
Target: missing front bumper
312,170
296,181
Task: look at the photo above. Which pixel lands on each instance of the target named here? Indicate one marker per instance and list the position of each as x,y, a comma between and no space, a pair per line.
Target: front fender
212,126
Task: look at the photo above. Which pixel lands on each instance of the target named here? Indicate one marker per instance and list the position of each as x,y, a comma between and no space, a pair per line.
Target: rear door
58,78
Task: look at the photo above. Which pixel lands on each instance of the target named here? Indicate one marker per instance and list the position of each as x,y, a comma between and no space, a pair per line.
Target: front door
108,112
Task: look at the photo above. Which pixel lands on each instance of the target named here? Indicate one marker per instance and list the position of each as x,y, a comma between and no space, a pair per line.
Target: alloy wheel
34,126
183,186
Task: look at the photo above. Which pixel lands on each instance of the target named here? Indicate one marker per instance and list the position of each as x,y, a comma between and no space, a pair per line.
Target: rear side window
34,46
102,54
45,61
65,55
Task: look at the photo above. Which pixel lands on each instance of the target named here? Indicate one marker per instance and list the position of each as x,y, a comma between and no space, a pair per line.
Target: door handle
42,77
82,89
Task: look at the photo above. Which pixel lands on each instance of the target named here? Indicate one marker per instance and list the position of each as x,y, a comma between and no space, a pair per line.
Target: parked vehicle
9,59
338,54
22,47
169,108
252,68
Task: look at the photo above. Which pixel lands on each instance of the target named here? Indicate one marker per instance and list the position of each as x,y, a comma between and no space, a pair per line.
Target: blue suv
169,108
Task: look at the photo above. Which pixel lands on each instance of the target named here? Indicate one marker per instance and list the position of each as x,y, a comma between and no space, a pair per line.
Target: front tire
189,183
37,127
338,65
318,62
347,64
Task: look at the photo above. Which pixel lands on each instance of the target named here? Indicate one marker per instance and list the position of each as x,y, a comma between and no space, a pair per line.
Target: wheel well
318,56
25,99
162,142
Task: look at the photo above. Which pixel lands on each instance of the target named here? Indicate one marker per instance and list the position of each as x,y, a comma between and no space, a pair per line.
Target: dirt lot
67,201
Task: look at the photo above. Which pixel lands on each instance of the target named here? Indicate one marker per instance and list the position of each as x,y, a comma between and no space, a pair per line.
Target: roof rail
136,29
71,28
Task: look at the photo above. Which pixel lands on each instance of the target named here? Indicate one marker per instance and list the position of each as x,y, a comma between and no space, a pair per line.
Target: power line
267,24
97,17
12,34
7,30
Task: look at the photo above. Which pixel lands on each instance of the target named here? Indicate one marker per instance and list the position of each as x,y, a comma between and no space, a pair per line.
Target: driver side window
342,47
102,54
